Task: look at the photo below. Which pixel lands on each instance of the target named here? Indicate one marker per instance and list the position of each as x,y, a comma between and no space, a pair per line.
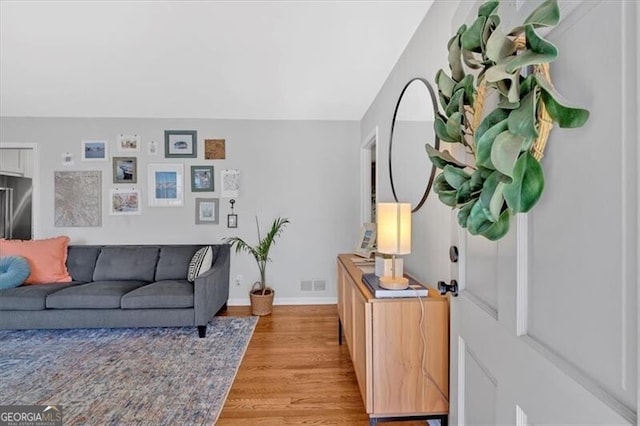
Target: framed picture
180,144
124,202
125,170
152,148
165,184
214,149
230,179
202,179
128,143
232,220
207,211
67,159
367,242
94,151
78,198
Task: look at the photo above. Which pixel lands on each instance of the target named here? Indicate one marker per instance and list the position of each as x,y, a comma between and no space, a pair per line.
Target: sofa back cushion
126,263
173,263
81,261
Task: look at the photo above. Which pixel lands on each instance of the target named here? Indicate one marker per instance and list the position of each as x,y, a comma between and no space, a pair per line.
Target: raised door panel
482,271
480,393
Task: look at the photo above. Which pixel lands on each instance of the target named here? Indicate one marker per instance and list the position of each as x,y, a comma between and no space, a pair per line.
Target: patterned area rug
125,376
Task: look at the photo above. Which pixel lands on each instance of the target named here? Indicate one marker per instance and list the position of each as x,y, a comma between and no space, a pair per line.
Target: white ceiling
322,60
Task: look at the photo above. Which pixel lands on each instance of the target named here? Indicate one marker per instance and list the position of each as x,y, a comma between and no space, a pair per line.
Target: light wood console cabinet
399,376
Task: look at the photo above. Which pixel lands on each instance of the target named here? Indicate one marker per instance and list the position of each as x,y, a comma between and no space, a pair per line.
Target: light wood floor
294,372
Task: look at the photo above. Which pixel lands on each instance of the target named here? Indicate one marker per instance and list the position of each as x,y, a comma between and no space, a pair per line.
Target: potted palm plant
260,294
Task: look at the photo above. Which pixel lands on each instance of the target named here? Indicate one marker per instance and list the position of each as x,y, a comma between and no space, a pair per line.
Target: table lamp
394,238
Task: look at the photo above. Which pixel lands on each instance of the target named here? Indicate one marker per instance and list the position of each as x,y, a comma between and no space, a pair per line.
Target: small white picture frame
129,143
152,148
67,159
124,202
367,241
230,183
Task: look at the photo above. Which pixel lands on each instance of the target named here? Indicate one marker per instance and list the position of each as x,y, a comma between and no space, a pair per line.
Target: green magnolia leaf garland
506,178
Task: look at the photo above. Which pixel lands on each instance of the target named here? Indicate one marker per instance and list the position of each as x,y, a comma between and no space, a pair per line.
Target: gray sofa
123,286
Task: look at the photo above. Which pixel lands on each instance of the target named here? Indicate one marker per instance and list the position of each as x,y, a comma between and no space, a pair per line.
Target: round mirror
410,169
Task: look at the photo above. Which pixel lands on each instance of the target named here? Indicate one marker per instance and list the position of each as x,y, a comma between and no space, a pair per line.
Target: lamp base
394,283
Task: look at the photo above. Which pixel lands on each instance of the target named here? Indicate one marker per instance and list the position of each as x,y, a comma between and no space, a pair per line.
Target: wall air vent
313,285
306,285
319,285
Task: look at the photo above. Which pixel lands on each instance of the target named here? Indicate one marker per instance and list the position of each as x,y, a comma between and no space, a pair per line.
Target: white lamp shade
394,228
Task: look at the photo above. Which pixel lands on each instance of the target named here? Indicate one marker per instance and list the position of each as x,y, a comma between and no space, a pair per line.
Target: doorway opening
18,186
369,177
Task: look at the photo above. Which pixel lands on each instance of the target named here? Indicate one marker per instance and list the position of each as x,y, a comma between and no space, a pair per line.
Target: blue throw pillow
13,271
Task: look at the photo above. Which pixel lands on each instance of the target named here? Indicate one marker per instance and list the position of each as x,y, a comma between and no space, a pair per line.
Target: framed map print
78,198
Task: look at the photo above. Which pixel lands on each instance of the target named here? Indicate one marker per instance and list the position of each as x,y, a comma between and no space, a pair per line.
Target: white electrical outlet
239,279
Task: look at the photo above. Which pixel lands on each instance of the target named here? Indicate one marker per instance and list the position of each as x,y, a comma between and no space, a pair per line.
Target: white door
544,330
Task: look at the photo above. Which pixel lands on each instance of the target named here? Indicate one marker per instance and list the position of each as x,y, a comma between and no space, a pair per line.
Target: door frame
365,173
35,182
637,129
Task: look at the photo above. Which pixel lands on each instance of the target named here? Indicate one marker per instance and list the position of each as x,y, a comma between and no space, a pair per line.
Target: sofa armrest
211,289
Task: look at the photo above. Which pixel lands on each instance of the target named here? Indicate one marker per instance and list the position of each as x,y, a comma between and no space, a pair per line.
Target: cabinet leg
444,420
373,421
339,332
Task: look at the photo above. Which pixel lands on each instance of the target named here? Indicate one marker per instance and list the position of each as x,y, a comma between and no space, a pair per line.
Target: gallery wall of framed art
171,172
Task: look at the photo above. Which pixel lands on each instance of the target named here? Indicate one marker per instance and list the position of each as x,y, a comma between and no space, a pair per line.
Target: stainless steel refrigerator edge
15,207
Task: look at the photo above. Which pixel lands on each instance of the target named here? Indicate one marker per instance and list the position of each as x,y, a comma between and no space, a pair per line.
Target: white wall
304,170
424,55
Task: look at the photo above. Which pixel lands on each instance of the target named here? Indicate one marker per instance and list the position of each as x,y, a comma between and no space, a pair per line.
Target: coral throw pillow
47,258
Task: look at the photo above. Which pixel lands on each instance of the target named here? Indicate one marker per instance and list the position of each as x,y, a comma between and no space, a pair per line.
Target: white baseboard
289,301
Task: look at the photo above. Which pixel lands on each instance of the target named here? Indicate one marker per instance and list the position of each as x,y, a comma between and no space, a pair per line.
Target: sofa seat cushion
29,297
161,294
94,295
